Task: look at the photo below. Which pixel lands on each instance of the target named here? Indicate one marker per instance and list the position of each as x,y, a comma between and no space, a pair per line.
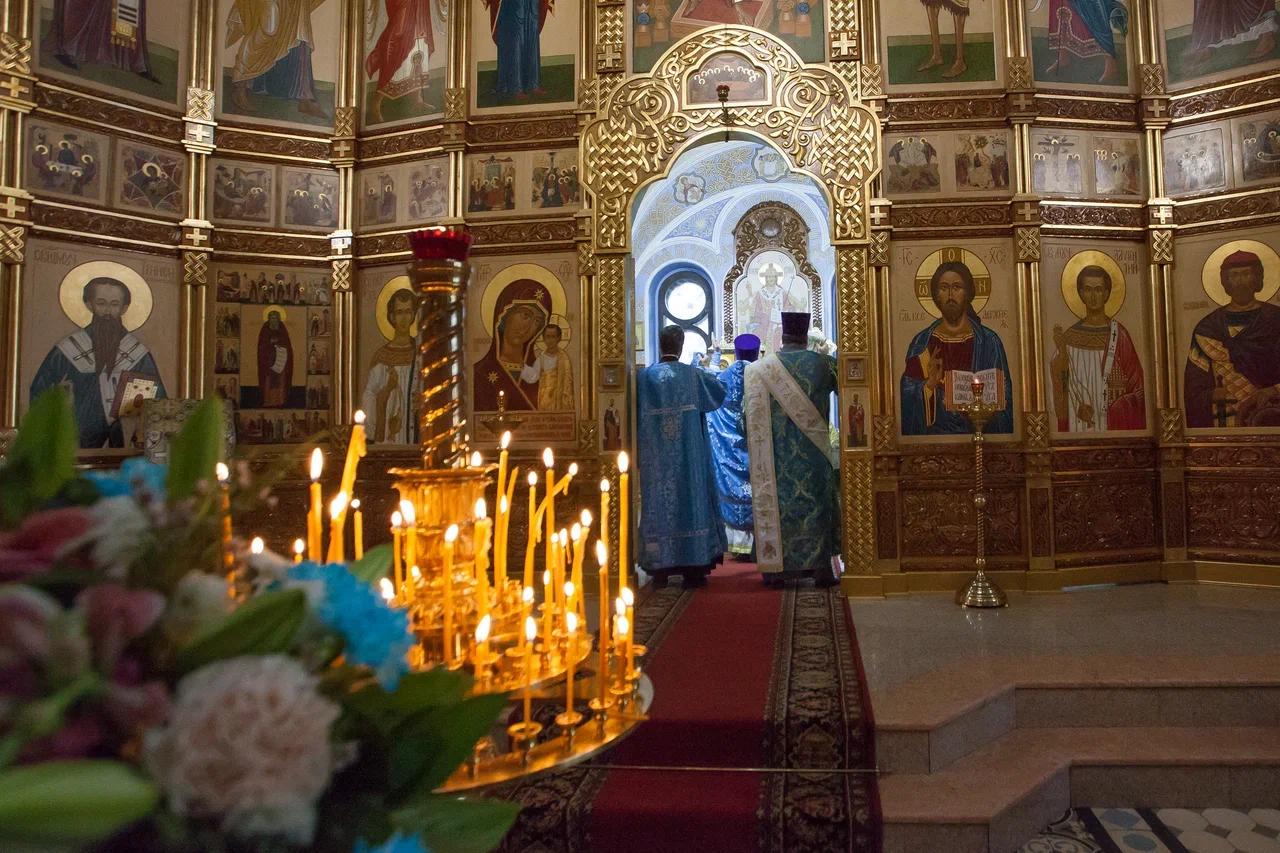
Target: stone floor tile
1266,817
1229,818
1248,841
1182,819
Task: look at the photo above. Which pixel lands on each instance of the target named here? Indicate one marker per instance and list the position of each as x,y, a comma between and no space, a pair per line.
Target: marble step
1007,790
930,722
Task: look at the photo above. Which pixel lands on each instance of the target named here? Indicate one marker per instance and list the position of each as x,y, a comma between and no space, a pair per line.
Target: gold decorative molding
844,45
851,296
1028,243
884,433
342,268
586,260
878,249
812,116
1161,246
1035,430
611,300
1018,71
199,104
17,84
1171,426
195,268
15,205
15,54
455,104
859,513
610,42
1152,77
13,243
345,121
871,81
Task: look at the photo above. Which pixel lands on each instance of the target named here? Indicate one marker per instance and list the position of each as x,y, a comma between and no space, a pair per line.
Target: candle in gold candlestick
602,673
571,631
481,549
410,516
224,507
477,459
337,509
397,567
503,444
299,548
624,514
570,606
562,556
257,546
357,525
549,461
548,604
500,549
315,517
526,611
356,449
450,536
579,536
604,512
530,634
533,529
481,661
620,628
628,601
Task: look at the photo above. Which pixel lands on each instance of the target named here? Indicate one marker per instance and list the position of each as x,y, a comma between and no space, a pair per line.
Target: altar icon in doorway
769,287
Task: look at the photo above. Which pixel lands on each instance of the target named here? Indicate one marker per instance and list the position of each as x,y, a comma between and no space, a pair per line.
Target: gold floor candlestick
980,591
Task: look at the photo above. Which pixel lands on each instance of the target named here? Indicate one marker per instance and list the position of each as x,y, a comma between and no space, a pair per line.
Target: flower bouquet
149,702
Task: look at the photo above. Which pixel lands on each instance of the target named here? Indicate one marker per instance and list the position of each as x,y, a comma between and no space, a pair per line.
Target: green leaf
455,825
374,565
195,450
417,691
42,458
431,746
63,804
264,625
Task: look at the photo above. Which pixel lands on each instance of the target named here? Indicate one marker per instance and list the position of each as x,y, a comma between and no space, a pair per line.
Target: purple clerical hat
746,347
795,324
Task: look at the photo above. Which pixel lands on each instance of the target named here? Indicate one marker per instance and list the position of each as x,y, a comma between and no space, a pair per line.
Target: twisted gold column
440,284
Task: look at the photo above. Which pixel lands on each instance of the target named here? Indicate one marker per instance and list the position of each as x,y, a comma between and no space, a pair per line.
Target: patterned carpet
764,694
1160,831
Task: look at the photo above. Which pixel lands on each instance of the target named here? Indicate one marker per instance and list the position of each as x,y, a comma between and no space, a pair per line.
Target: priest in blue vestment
729,449
681,531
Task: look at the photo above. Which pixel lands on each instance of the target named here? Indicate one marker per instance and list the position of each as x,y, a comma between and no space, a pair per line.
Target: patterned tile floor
1160,831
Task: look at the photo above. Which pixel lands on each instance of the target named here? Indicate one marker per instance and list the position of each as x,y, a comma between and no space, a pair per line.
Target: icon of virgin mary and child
526,368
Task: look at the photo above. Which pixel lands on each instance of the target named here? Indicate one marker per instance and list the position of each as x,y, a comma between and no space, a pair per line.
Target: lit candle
397,567
570,609
410,517
604,512
503,444
571,628
224,490
549,461
526,612
533,529
356,449
357,523
482,647
257,546
315,519
477,459
628,601
500,549
299,548
450,536
620,627
602,674
530,634
337,510
561,555
481,548
624,512
579,535
388,589
547,605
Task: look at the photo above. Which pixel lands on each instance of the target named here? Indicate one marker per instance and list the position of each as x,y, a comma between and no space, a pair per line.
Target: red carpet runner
746,678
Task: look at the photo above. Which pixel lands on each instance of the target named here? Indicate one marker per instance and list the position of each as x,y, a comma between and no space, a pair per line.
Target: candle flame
533,478
338,505
482,630
451,534
355,503
624,462
527,595
317,464
407,511
415,574
299,546
575,532
586,518
620,607
222,472
502,504
388,591
530,628
564,537
602,553
477,460
548,458
358,417
622,626
571,622
604,485
573,469
568,589
505,441
546,578
397,520
482,508
628,597
257,546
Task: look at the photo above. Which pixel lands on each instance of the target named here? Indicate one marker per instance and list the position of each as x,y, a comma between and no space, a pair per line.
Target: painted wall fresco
1257,141
1195,161
522,181
386,378
1229,329
67,162
277,60
310,198
1216,39
525,346
150,179
954,318
1077,43
134,47
406,52
525,58
103,325
656,24
272,350
402,194
241,192
938,164
941,43
1096,337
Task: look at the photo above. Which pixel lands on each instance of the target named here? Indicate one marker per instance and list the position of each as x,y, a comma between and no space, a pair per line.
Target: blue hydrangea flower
376,635
397,843
135,477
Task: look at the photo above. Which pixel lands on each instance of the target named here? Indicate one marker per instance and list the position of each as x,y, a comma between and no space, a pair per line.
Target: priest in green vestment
794,480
